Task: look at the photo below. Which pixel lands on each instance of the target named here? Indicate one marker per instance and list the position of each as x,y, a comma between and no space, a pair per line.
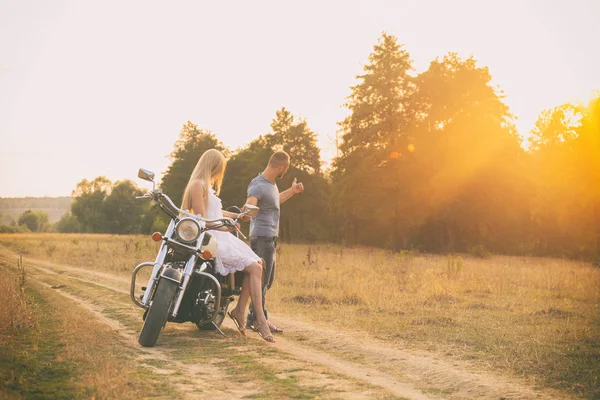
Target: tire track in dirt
193,380
190,384
66,268
370,375
350,369
456,378
381,364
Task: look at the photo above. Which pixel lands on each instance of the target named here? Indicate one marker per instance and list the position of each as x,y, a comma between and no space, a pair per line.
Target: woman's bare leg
252,289
240,309
255,277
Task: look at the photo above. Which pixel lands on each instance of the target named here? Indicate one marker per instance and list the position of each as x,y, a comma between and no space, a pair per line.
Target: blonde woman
233,255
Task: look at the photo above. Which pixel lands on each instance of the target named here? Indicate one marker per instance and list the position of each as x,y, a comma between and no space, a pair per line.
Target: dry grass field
538,318
532,319
50,350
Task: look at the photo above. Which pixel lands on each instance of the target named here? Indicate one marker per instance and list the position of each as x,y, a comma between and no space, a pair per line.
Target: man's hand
244,218
297,187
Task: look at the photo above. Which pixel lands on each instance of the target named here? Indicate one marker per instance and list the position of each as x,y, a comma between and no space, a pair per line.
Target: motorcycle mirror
250,210
146,175
234,209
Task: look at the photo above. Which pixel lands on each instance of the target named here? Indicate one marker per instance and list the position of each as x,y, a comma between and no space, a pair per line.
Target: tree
188,148
35,221
566,161
125,213
556,126
88,206
301,219
296,139
469,188
242,167
552,140
366,175
68,223
102,207
587,180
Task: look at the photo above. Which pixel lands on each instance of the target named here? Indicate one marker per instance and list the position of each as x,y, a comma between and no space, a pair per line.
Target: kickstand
218,329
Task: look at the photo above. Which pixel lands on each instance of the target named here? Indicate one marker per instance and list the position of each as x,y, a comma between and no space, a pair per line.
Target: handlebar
230,222
174,211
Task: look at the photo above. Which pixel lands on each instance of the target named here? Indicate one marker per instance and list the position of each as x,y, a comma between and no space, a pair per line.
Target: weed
454,266
22,273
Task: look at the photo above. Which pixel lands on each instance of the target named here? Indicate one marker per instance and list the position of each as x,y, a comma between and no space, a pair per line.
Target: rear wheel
158,312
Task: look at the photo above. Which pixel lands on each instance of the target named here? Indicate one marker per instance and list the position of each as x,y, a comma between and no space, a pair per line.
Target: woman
233,254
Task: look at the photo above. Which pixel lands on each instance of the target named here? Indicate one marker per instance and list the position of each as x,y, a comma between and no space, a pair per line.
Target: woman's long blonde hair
210,169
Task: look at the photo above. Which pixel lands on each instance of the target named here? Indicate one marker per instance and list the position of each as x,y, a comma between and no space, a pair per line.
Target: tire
207,326
158,312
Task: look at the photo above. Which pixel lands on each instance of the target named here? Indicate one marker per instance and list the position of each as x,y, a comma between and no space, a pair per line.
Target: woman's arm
198,194
233,215
230,214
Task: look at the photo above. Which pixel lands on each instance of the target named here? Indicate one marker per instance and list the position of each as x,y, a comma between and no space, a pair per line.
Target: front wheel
158,312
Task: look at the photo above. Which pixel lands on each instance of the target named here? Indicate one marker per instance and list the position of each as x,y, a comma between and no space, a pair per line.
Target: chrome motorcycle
183,285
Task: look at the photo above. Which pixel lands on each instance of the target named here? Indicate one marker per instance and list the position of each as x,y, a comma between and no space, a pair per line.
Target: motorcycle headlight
187,230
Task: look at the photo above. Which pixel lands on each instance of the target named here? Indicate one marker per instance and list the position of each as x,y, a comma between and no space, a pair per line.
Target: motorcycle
183,285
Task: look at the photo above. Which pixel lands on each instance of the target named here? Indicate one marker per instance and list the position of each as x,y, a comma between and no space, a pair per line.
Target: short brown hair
279,159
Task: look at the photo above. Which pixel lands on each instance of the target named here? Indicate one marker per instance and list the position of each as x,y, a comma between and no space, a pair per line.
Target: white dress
232,254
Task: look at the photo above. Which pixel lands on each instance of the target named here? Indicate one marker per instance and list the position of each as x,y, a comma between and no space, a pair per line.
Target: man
264,229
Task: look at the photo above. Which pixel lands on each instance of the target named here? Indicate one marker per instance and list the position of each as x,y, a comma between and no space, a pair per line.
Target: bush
479,251
36,221
67,224
13,229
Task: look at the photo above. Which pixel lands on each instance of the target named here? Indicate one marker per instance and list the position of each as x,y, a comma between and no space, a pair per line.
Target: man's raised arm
297,187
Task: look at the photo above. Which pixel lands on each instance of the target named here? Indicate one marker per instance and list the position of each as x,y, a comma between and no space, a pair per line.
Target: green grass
534,318
183,346
29,364
63,353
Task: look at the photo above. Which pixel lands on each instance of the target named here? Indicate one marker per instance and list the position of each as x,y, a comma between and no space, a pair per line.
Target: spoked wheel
158,312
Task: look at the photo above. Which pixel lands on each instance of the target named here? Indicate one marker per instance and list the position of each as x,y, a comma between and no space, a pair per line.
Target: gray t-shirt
266,222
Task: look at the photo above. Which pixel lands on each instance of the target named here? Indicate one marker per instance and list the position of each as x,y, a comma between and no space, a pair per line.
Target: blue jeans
264,247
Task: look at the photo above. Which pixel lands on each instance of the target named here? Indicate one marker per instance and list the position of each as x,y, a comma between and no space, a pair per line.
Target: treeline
103,207
434,162
429,161
12,208
28,221
7,203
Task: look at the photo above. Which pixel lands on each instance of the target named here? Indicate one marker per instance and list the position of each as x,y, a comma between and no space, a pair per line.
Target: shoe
265,333
239,324
274,329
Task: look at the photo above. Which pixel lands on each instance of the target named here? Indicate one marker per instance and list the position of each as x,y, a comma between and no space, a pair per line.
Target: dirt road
307,361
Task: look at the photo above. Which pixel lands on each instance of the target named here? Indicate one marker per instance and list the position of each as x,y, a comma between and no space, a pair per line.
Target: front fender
172,274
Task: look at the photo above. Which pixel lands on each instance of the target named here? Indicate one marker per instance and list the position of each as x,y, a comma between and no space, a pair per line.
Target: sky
90,88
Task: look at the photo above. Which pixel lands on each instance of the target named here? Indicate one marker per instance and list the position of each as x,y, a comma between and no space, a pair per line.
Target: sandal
265,333
274,329
239,325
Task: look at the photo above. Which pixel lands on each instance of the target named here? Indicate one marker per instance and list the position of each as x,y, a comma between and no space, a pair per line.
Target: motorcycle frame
183,280
158,270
